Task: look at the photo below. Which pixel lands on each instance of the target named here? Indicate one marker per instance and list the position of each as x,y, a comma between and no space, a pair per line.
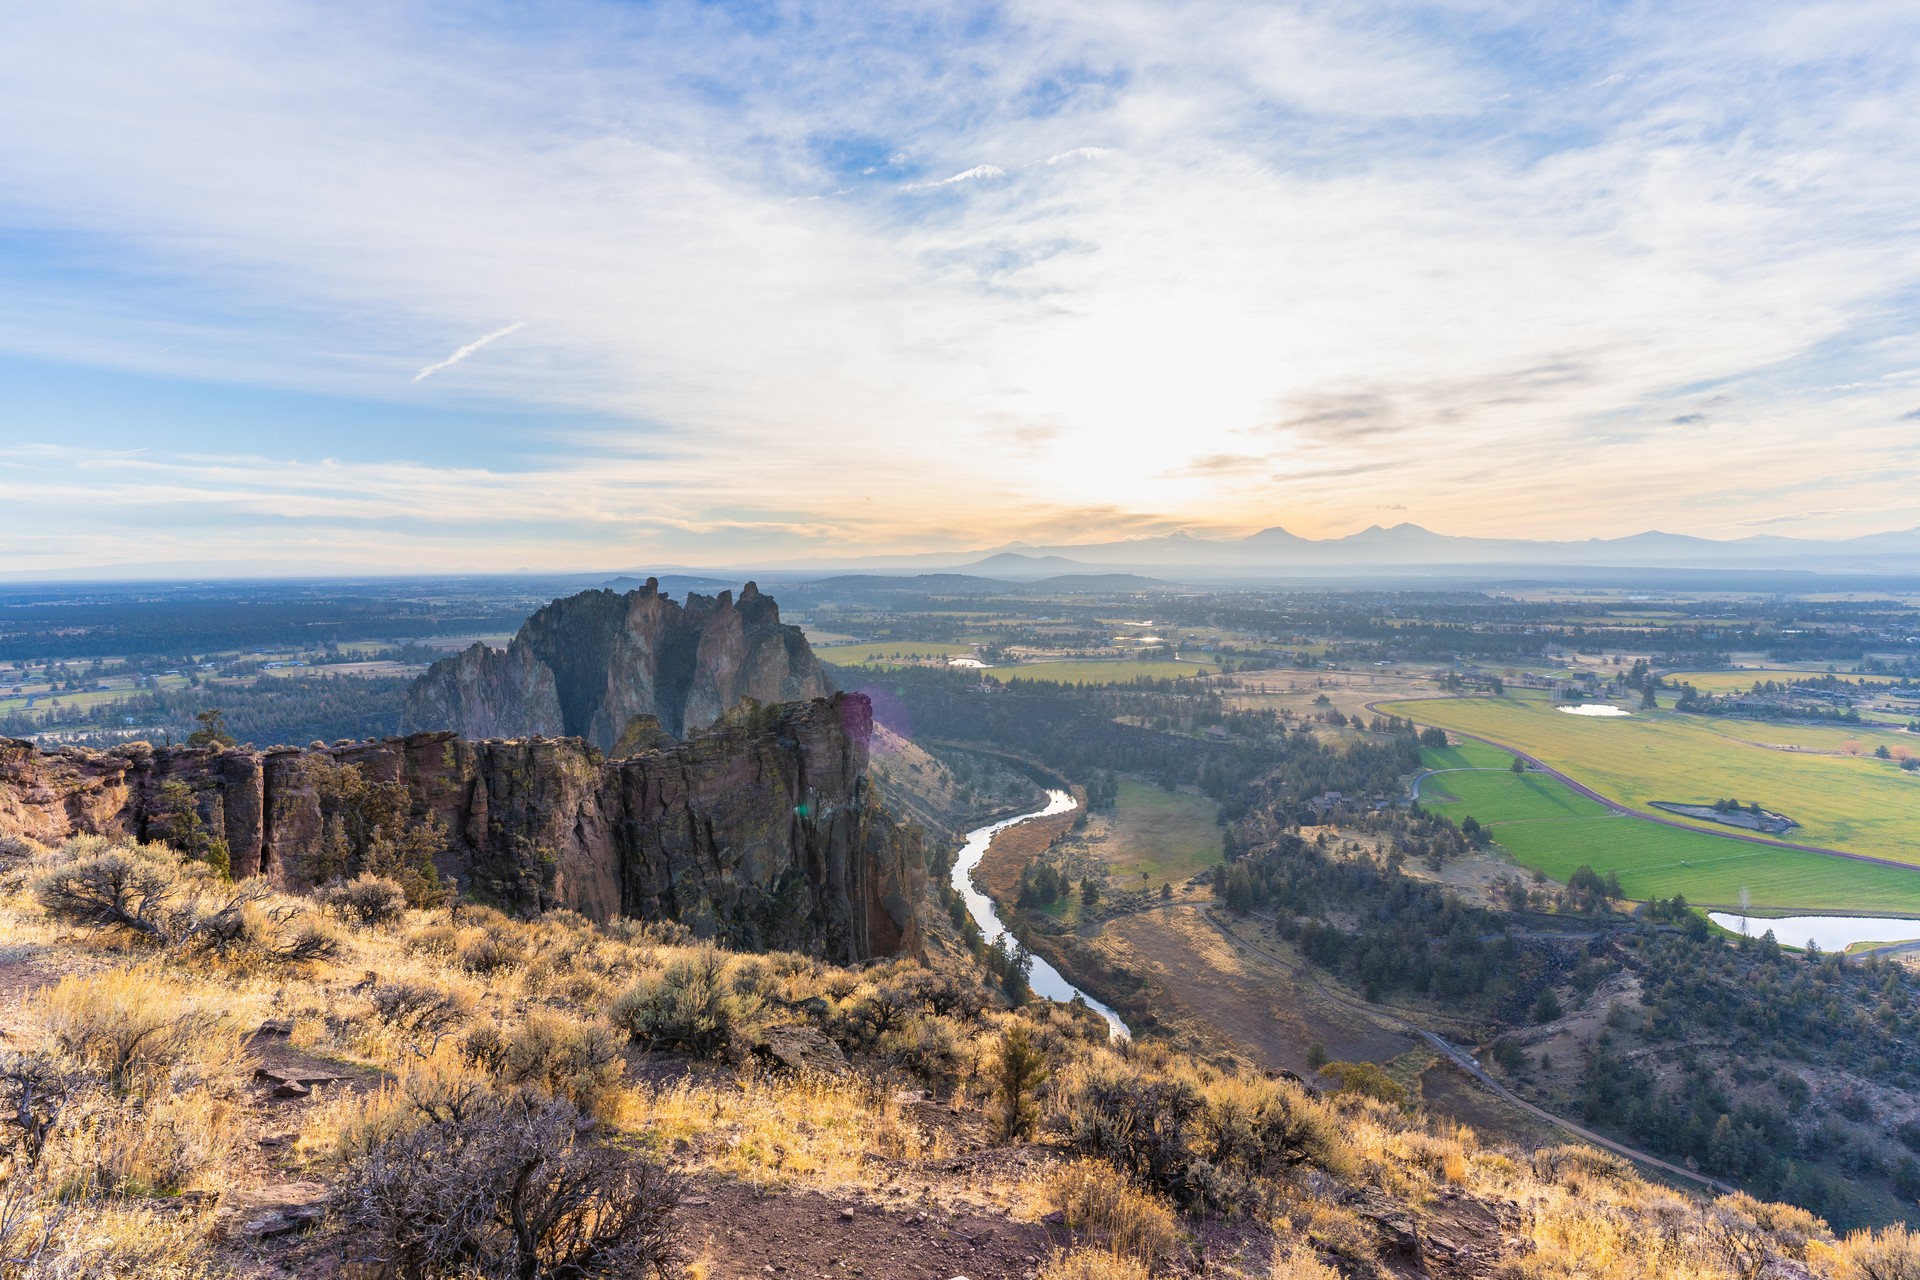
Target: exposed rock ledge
761,832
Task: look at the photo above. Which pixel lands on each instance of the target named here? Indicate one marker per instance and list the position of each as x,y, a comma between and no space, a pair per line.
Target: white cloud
1080,153
463,352
968,175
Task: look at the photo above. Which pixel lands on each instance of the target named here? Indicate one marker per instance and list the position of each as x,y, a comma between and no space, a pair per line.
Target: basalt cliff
596,664
761,831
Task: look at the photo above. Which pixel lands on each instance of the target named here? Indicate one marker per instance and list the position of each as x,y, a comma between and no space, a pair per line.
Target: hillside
261,1084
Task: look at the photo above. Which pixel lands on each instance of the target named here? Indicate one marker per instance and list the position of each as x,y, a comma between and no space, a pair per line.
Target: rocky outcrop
588,665
761,831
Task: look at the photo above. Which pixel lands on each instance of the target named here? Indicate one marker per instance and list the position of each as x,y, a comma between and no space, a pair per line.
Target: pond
1596,709
1045,979
1829,933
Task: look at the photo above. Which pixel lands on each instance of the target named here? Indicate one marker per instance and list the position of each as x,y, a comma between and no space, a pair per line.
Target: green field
1103,671
1170,835
43,701
1850,739
1739,681
892,653
1858,804
1548,826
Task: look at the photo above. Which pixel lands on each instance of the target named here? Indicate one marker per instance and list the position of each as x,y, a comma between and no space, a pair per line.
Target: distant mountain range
1276,552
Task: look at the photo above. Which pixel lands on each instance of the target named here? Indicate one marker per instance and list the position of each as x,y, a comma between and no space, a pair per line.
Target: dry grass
457,1006
140,1030
1093,1264
1096,1199
773,1131
1293,1260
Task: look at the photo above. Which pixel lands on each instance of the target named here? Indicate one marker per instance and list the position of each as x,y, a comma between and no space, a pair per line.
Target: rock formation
761,832
587,665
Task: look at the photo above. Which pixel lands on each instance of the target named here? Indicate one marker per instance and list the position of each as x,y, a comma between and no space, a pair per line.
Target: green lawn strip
1466,754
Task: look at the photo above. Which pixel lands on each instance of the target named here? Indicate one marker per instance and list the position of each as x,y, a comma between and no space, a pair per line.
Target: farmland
1857,804
1548,826
1740,679
894,653
1099,671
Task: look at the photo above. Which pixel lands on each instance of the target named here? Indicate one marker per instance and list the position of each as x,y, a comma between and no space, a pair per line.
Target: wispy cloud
974,174
1080,153
463,352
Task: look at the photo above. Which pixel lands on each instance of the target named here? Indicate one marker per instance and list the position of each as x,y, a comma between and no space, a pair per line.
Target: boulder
802,1050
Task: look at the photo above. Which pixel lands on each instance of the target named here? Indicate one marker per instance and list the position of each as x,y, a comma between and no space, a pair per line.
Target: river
1045,979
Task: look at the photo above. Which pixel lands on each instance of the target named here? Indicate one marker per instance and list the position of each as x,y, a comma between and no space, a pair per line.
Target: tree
368,829
1089,891
212,731
1518,765
1018,1071
187,832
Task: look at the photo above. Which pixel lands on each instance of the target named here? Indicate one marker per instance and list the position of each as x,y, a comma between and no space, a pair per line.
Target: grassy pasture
1465,754
1548,826
891,653
1102,671
1170,835
1719,682
1852,739
1858,804
43,701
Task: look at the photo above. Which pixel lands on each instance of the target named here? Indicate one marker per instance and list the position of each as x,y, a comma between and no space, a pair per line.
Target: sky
579,286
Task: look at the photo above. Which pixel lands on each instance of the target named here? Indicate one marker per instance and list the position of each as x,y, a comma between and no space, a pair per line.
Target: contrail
468,350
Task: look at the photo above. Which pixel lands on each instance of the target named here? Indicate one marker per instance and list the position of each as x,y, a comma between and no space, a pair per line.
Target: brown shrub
366,901
520,1189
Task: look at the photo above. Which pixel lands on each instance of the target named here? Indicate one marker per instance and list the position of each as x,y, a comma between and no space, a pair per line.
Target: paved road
1614,806
1465,1062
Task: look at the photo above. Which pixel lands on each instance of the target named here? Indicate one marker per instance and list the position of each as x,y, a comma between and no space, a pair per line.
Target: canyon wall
591,665
761,831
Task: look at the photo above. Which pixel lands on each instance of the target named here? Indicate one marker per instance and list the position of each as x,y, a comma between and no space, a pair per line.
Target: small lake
1045,979
1830,933
1606,709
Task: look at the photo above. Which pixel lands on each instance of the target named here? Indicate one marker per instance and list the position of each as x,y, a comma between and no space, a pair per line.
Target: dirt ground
1203,983
1013,848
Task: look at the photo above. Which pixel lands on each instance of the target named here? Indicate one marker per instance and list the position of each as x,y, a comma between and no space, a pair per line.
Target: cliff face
761,832
587,665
